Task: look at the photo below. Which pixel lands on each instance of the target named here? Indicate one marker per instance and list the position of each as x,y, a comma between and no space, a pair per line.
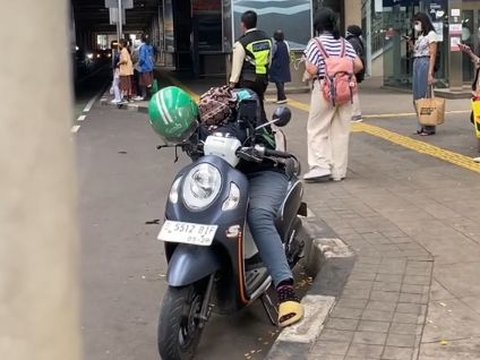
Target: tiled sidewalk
382,309
400,221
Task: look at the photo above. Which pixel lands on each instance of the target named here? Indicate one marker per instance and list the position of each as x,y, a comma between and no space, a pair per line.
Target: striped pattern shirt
332,46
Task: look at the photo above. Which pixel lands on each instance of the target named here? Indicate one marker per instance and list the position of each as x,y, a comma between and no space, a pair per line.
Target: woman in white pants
328,125
115,91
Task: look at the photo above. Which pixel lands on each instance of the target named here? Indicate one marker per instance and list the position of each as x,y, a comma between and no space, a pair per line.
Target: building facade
386,21
198,35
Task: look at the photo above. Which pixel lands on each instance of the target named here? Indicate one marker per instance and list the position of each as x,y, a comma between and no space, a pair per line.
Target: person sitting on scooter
268,187
267,190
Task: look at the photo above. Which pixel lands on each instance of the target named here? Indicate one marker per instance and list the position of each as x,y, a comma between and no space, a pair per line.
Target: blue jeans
420,85
267,192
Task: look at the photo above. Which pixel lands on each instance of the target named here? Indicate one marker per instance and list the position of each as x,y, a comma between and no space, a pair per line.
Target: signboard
439,30
455,29
114,16
391,3
455,12
126,4
293,17
454,41
206,6
169,37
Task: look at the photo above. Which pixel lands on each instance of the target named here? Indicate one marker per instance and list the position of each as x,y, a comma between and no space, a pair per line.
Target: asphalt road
90,85
124,182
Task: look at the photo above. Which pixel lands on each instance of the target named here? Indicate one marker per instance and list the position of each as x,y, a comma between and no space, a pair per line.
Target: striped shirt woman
332,46
328,127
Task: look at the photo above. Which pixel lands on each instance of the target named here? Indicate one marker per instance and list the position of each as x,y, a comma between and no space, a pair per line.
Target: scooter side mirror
282,116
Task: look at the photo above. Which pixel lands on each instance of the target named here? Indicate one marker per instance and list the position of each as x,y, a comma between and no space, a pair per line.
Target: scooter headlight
201,187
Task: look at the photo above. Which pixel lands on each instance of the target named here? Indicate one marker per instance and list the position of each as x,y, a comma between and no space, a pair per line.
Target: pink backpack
340,83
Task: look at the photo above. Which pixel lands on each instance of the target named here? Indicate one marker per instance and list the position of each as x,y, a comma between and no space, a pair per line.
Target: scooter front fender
189,264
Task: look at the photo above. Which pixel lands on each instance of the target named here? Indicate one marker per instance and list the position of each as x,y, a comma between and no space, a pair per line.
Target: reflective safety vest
258,47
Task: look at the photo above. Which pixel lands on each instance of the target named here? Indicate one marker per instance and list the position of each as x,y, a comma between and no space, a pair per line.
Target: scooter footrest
254,262
255,277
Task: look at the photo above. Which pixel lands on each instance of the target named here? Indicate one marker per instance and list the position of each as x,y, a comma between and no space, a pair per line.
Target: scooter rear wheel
179,329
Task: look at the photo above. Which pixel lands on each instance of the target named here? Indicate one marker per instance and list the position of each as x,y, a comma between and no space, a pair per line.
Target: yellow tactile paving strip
305,107
419,146
404,141
181,85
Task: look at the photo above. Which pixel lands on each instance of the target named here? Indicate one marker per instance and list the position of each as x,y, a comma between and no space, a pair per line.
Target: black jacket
359,47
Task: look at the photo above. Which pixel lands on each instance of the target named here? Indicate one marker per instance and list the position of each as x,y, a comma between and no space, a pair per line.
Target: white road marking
89,105
75,129
81,117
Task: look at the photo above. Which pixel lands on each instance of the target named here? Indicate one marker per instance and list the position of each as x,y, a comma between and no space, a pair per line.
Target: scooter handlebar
258,152
249,154
277,153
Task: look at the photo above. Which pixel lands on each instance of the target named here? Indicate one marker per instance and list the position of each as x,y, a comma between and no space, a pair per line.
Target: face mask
418,27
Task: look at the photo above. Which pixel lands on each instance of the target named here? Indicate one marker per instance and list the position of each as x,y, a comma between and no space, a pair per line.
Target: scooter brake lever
250,154
160,147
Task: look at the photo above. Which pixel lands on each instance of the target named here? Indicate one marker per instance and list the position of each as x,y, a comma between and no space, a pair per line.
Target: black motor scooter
213,263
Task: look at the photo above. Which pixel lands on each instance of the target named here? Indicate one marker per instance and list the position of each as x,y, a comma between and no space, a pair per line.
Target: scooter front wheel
179,328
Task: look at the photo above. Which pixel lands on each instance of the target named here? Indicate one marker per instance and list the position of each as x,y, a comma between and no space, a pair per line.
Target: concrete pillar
455,63
353,13
38,230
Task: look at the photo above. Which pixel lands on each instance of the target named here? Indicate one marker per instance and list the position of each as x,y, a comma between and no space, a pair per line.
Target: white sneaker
477,159
138,98
115,101
316,174
337,178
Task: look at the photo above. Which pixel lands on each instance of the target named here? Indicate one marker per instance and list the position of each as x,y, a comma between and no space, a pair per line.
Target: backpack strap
321,48
342,52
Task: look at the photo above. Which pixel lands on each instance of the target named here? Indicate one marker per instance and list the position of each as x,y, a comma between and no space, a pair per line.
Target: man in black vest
252,55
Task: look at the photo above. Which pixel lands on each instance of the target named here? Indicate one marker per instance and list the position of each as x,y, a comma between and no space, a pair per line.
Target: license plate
187,233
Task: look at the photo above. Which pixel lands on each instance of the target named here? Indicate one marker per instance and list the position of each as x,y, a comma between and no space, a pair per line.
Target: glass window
397,62
389,23
468,34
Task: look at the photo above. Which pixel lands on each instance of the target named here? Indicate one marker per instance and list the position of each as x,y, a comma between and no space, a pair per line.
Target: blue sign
391,3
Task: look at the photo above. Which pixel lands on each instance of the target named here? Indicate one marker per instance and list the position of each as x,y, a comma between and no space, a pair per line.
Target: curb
330,261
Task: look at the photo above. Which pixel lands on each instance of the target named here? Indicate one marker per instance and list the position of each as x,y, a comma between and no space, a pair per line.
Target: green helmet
173,114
